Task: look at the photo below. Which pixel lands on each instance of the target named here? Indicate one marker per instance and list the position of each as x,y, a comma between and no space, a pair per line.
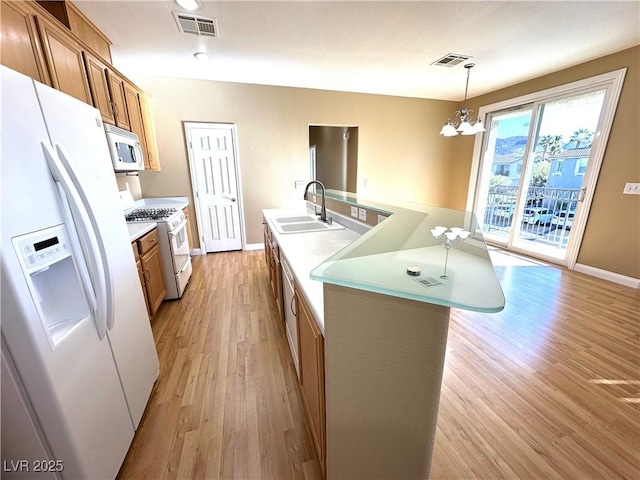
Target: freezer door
77,133
22,437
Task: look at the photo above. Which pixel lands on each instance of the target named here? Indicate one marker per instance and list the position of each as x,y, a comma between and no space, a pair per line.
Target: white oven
179,245
174,245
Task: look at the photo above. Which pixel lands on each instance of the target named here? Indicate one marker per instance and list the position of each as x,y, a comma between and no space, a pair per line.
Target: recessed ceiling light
203,57
188,4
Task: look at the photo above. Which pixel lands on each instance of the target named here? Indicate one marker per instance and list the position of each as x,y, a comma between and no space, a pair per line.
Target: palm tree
550,144
582,135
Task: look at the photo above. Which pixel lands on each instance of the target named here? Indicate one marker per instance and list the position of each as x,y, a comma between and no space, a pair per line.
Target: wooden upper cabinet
134,110
97,75
86,31
64,59
150,146
116,92
72,18
21,47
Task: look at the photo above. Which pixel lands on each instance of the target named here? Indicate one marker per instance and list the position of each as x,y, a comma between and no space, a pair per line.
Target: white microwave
124,146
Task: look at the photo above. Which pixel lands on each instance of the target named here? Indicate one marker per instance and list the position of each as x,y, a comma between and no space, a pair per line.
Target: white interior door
214,171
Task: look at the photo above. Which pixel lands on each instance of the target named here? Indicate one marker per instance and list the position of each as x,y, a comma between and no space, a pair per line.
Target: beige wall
400,152
612,238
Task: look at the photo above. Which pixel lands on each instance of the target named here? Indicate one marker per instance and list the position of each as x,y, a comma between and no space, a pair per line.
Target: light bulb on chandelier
463,121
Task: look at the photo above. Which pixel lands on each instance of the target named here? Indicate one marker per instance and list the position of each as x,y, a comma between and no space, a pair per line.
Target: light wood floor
547,389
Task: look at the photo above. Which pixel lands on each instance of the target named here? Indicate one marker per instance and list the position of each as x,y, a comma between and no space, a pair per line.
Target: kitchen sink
304,218
303,224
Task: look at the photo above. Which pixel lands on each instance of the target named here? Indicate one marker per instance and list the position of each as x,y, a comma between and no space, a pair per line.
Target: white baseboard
606,275
196,251
254,246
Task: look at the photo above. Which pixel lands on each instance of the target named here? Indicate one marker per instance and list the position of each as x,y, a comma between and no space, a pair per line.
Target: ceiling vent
451,60
197,25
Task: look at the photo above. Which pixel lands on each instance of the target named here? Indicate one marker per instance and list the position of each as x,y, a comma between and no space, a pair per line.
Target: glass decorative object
449,237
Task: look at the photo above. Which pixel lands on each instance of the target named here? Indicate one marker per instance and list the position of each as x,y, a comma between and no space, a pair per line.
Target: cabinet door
311,358
86,31
277,281
116,92
267,248
154,282
20,45
64,59
134,111
97,76
144,286
150,146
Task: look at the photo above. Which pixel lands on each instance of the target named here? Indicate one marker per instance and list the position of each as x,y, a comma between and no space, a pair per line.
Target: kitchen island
385,333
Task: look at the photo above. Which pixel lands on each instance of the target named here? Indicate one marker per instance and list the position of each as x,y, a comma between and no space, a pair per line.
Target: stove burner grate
149,214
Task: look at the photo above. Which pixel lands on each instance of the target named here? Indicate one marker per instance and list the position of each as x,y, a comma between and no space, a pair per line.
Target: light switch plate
362,214
354,212
632,189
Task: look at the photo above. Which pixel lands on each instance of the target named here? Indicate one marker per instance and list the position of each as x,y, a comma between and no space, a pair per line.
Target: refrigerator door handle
103,267
82,265
80,218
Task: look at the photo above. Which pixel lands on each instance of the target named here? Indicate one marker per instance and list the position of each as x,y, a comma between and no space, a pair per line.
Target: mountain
505,146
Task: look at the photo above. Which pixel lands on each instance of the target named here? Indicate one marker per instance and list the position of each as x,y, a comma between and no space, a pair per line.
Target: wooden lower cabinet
311,358
310,349
272,257
150,270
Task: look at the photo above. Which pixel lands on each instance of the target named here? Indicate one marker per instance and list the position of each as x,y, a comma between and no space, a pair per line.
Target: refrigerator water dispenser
52,276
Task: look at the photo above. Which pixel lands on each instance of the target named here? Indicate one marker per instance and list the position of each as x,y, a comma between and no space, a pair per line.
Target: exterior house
568,167
509,166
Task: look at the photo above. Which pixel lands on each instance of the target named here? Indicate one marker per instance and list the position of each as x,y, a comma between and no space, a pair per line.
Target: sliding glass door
536,167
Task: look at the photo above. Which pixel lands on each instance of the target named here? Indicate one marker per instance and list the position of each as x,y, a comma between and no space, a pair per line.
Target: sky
562,117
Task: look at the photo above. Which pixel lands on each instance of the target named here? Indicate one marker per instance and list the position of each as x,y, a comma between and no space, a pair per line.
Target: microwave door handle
138,154
82,222
98,249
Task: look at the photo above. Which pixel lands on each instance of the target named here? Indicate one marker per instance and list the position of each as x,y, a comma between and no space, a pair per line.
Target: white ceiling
370,47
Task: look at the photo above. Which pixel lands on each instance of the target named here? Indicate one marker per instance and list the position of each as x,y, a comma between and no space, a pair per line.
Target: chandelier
463,120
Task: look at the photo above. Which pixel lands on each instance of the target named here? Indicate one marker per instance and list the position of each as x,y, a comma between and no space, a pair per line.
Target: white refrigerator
78,355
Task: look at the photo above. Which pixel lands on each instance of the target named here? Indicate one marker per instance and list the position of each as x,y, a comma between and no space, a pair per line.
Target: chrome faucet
323,211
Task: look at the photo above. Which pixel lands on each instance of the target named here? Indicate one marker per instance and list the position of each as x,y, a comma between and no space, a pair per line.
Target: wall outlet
314,199
632,189
362,214
354,212
299,184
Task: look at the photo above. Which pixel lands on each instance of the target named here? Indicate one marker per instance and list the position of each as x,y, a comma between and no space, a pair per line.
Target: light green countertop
378,260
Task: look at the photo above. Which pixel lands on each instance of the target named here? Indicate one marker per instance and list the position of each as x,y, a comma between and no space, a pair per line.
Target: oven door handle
176,230
185,264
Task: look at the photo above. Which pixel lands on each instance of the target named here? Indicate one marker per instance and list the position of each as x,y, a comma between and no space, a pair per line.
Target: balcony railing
547,216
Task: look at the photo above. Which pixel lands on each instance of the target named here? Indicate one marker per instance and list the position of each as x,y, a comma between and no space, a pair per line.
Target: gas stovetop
150,214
